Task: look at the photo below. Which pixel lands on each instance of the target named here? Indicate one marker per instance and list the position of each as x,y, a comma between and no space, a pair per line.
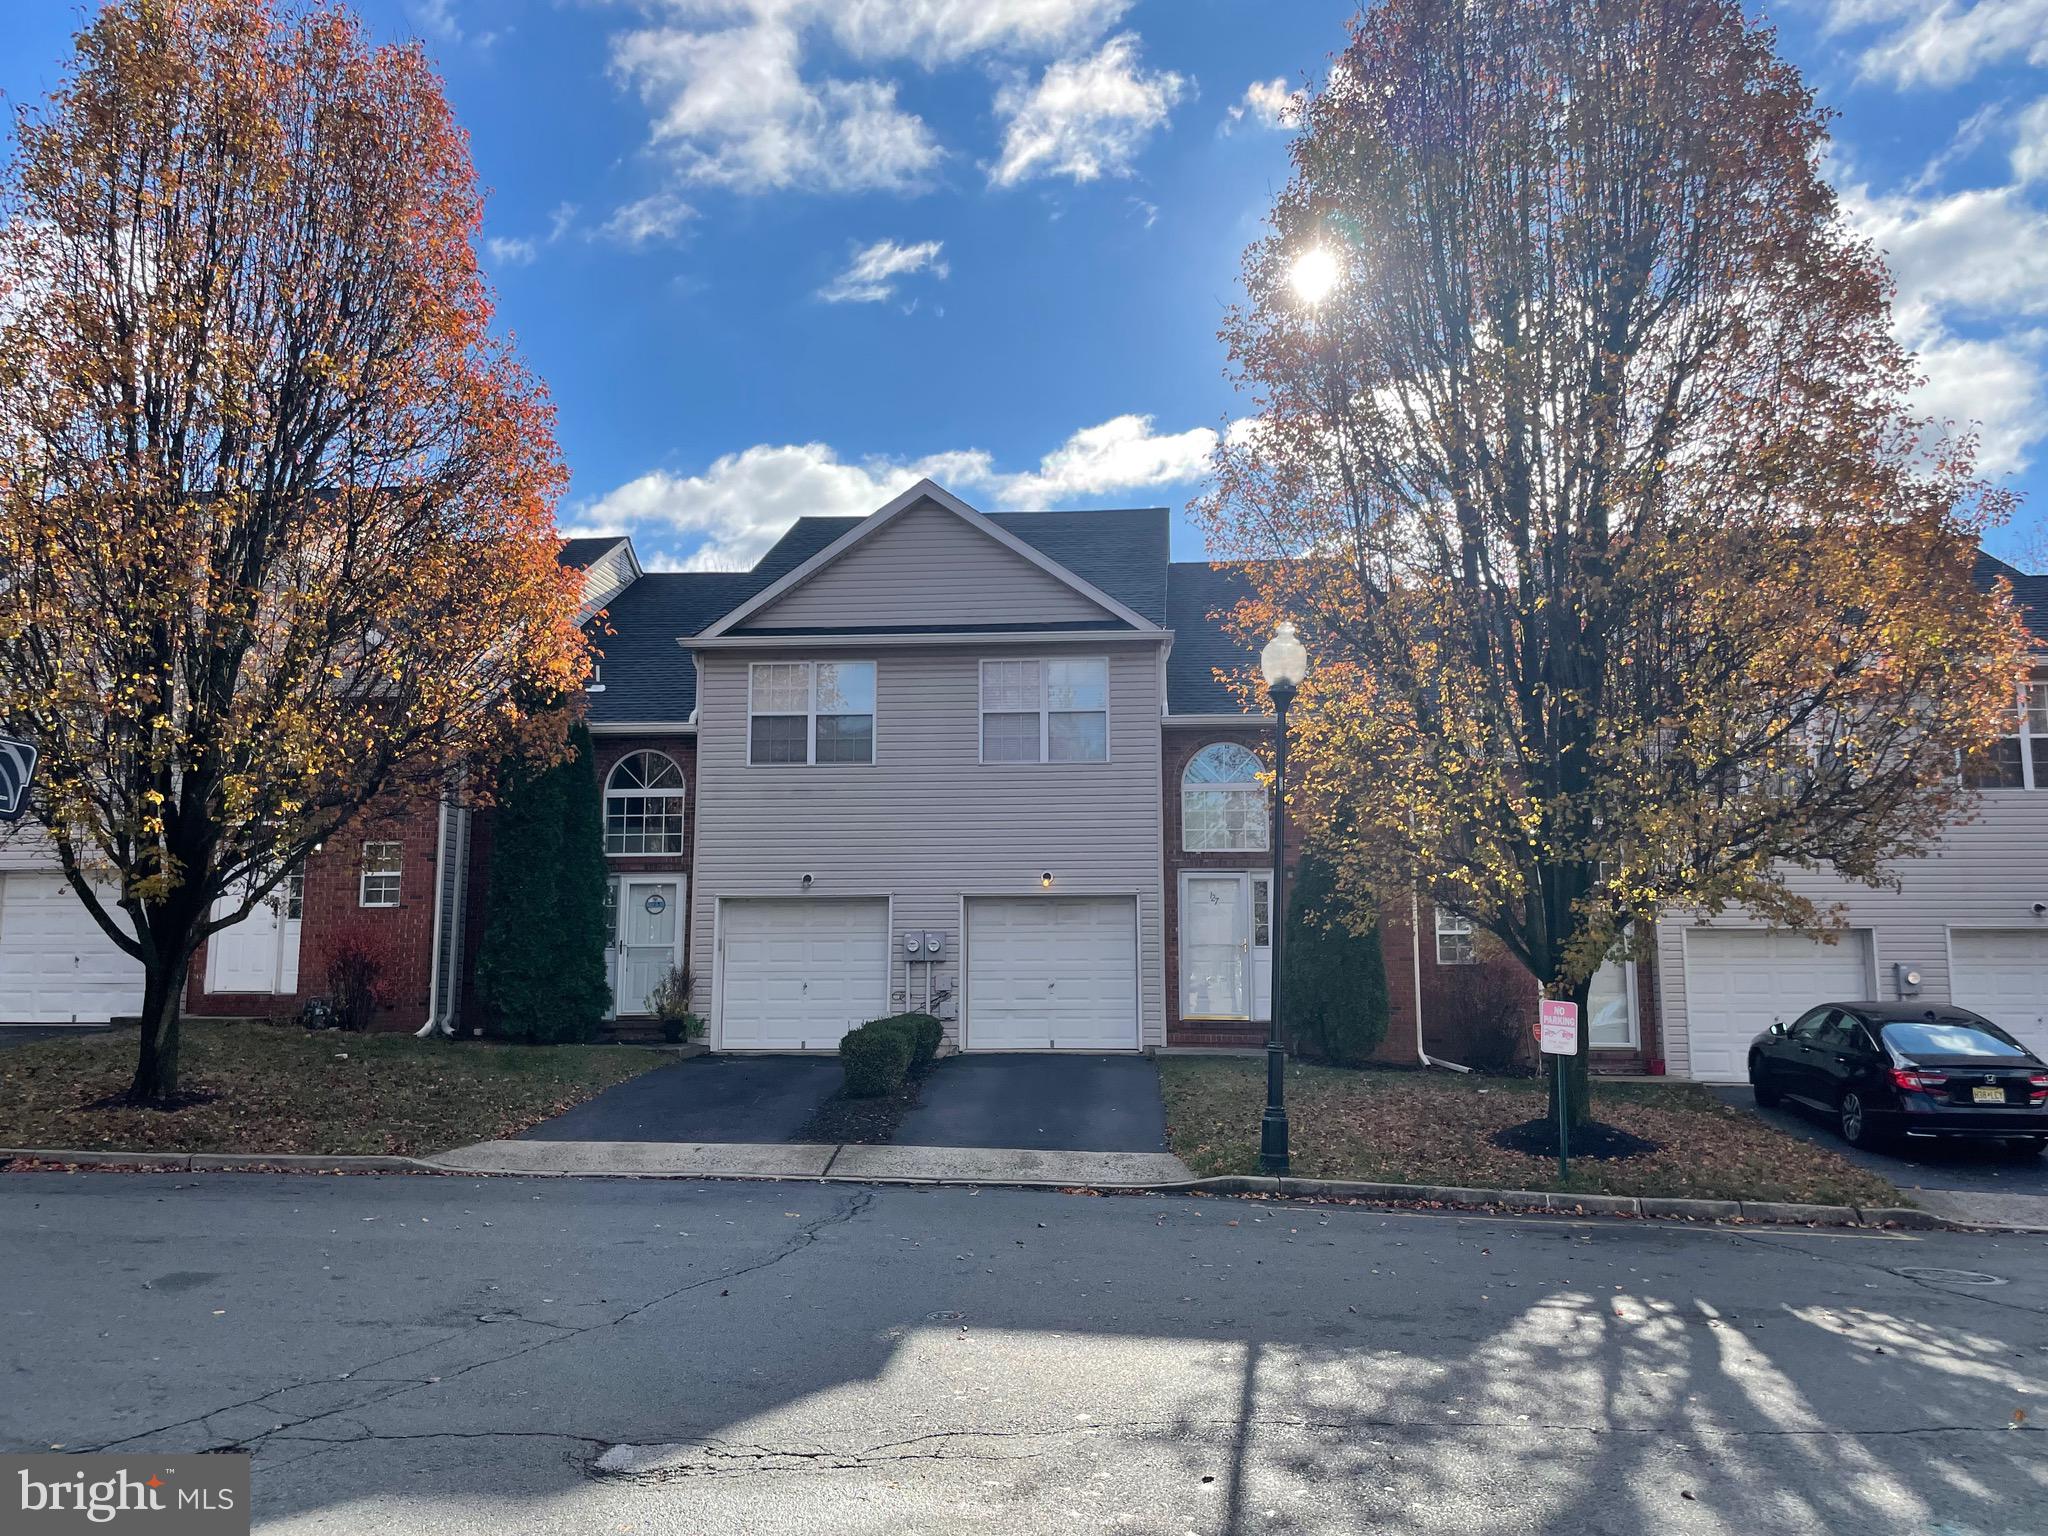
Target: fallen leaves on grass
1433,1128
258,1087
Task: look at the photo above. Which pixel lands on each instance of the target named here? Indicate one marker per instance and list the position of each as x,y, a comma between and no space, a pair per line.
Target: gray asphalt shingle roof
2029,592
578,553
1196,591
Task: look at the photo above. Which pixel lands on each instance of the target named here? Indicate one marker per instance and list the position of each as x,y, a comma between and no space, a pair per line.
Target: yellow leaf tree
276,506
1583,457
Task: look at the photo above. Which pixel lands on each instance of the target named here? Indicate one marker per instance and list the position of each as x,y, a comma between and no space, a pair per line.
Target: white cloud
2030,147
934,32
872,274
1944,45
1086,117
1983,250
1971,268
733,109
507,251
1269,103
725,517
656,216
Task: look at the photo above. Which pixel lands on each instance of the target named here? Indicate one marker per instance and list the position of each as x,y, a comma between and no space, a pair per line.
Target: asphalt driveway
1055,1101
1972,1166
703,1098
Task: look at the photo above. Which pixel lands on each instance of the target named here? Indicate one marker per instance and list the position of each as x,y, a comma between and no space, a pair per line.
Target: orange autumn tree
1630,578
276,533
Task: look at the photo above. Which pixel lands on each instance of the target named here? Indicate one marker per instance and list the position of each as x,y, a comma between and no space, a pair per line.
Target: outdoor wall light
807,881
1045,879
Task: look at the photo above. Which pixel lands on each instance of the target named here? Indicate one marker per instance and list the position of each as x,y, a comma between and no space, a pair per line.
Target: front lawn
1435,1128
278,1088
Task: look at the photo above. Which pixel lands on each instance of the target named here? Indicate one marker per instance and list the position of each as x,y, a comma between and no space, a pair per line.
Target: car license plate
1988,1095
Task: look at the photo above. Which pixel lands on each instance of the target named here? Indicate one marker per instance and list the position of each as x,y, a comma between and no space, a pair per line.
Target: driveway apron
705,1098
1051,1102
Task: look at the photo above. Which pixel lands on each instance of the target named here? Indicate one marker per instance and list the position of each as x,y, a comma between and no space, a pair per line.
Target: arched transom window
1222,802
643,805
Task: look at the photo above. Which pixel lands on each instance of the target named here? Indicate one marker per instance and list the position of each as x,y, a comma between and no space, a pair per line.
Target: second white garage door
1052,973
56,965
797,975
2003,974
1738,980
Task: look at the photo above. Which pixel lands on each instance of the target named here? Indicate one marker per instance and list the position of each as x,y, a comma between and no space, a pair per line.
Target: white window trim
1045,714
680,792
1265,845
811,712
396,874
1450,925
2024,733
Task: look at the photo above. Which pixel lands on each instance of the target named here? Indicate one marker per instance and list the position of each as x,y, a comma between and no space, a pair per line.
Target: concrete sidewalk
811,1160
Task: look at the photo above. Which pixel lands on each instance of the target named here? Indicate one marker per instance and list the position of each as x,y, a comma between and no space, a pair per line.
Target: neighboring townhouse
995,765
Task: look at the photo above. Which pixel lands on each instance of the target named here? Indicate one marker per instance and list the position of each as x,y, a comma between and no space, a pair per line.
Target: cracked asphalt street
453,1355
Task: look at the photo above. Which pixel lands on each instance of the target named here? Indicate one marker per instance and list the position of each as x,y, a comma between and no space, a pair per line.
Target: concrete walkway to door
1050,1101
703,1098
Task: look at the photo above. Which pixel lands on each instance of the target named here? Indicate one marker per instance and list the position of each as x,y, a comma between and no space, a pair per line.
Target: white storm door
650,938
261,952
1215,947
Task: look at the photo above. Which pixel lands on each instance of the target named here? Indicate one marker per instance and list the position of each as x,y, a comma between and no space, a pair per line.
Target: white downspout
434,945
1415,968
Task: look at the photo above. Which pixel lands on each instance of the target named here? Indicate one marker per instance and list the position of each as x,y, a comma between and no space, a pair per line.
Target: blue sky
781,256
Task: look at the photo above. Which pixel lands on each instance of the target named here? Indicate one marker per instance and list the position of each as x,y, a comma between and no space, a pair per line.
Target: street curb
1651,1207
219,1162
1646,1207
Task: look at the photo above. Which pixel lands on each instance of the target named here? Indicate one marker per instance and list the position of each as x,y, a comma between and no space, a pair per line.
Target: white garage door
1052,973
796,975
1737,981
56,966
2003,974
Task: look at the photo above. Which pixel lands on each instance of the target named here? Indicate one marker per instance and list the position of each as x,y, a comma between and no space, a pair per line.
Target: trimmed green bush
1334,988
924,1032
875,1058
540,969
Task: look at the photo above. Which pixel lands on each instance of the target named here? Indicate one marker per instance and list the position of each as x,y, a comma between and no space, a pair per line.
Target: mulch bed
864,1122
1603,1143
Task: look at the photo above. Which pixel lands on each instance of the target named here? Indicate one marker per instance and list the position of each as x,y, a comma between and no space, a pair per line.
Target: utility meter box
927,944
934,944
913,944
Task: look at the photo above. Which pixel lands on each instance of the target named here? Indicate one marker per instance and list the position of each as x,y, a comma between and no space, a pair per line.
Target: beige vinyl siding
928,566
928,824
1986,873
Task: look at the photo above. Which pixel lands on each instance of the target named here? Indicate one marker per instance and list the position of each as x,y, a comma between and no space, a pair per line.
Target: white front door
650,935
261,952
1215,947
1052,973
796,975
1739,981
57,966
2002,973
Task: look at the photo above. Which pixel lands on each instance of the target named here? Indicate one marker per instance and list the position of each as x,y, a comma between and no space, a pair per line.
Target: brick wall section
333,908
607,750
1447,1035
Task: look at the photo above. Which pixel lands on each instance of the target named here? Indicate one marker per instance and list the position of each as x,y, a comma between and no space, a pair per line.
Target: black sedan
1891,1070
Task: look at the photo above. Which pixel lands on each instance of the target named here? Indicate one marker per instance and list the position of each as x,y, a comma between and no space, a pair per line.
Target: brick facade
332,909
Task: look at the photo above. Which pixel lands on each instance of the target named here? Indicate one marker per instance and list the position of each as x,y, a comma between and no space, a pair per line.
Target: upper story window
382,866
1045,711
811,712
643,805
1454,942
1222,802
2018,760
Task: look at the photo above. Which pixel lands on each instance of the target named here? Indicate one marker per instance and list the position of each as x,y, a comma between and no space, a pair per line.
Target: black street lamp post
1284,662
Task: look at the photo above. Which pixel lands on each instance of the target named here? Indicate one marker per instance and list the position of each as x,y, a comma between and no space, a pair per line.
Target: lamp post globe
1283,663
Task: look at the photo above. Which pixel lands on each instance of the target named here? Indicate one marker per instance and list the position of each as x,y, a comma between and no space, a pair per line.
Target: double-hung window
2018,760
1454,943
811,712
1045,710
382,865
